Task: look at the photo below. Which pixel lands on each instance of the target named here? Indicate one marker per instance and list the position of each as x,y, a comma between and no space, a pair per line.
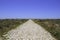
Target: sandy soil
29,31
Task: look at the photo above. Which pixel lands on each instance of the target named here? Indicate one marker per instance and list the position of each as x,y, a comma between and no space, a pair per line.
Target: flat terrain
51,25
29,31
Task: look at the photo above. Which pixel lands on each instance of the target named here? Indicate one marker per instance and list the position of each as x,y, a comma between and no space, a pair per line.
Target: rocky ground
29,31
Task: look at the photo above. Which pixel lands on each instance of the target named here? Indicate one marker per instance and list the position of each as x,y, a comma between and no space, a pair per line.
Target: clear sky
29,8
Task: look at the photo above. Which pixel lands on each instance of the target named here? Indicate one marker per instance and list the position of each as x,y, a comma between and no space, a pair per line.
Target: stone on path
29,31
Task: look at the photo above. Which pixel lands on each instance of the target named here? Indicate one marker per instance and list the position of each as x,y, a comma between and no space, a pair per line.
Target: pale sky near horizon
29,9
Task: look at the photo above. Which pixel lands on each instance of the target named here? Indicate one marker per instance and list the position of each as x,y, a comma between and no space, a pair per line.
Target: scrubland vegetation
8,24
51,25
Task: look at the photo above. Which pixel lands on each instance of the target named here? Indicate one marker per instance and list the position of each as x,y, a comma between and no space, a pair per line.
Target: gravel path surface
29,31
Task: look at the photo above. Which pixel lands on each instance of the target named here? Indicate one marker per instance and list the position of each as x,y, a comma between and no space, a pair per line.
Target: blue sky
30,9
